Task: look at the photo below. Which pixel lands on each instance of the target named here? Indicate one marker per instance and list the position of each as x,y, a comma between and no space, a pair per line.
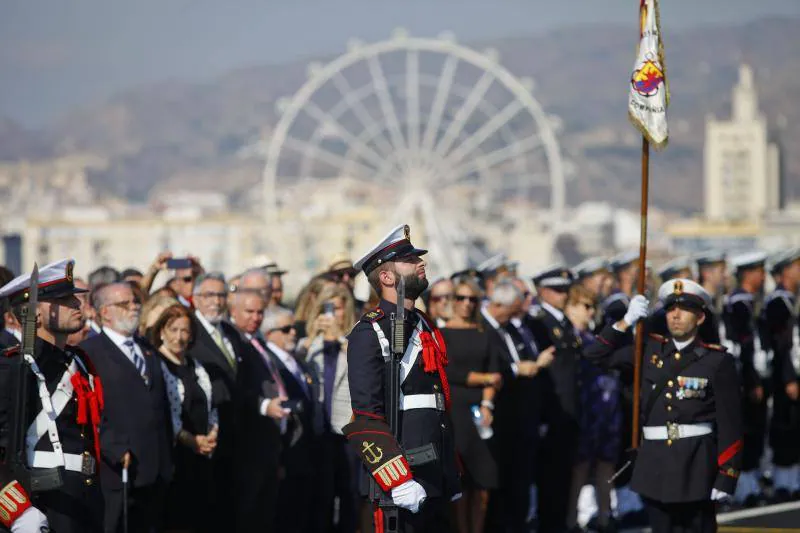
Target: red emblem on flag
647,80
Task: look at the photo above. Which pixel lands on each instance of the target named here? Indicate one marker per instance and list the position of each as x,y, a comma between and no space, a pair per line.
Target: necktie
272,370
217,336
527,337
138,360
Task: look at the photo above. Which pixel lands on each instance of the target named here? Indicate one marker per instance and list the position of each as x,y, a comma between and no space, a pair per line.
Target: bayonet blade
29,324
401,299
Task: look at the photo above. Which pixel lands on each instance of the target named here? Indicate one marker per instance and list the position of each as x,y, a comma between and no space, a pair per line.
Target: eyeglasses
186,279
124,303
284,329
588,306
218,295
470,299
440,297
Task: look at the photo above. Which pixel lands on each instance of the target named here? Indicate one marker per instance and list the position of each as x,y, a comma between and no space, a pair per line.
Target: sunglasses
439,298
187,279
588,307
284,329
470,299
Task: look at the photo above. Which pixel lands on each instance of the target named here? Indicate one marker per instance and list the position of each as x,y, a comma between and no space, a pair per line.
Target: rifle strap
411,353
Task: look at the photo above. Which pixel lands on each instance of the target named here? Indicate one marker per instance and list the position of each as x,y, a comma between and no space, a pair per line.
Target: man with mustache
68,440
419,470
136,426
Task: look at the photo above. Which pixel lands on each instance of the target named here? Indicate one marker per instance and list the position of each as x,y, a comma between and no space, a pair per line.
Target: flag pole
640,289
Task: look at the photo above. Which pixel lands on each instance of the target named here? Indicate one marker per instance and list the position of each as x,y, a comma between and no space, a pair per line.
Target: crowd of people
225,409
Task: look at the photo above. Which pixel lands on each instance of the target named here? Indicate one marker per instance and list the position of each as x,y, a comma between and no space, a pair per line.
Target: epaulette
11,351
658,338
714,347
373,315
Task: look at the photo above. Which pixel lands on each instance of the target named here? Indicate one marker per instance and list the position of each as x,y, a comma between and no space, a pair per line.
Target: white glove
637,309
718,495
409,495
31,521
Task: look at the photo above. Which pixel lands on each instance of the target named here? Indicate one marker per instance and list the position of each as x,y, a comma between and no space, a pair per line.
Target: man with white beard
135,427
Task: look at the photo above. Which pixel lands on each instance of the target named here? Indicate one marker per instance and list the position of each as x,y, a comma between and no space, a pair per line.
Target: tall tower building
742,169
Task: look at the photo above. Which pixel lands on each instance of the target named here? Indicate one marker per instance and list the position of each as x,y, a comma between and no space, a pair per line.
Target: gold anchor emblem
373,456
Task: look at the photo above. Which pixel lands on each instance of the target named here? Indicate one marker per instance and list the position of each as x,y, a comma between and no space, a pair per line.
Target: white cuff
515,368
264,406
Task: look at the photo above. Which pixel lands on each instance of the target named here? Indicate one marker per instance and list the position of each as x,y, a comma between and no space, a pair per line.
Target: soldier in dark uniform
560,397
780,335
690,454
62,431
418,469
741,331
625,270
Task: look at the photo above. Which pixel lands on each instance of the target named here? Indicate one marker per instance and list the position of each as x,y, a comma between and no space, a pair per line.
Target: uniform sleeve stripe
728,454
601,339
370,432
370,415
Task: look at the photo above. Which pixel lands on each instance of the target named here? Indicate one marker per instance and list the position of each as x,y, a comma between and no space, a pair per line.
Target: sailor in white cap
493,269
690,455
422,493
779,315
744,341
625,269
60,443
680,267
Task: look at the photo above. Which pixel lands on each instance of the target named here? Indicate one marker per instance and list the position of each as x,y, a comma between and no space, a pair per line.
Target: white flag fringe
649,90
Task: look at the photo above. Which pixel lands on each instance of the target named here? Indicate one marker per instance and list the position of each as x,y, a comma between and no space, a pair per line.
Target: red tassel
80,396
377,518
98,390
434,358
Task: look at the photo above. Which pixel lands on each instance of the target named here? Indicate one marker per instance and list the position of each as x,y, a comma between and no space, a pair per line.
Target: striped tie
138,360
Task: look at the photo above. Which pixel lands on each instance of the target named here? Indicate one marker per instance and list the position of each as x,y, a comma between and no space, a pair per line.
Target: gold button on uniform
436,387
669,408
669,396
670,383
677,356
669,442
88,481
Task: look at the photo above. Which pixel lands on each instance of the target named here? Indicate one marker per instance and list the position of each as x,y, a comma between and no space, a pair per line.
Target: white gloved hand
637,309
31,521
409,495
718,495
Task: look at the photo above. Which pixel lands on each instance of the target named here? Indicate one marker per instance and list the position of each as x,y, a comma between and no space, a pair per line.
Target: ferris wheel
450,134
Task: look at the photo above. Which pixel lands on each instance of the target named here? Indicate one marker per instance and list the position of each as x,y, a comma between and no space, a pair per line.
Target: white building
742,170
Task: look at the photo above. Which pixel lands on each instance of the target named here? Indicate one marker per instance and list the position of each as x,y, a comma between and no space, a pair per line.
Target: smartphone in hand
179,263
328,308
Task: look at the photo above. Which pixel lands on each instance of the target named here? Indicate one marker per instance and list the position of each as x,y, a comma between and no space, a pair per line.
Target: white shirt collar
94,326
682,345
210,328
184,301
16,333
553,311
119,339
285,357
512,349
516,321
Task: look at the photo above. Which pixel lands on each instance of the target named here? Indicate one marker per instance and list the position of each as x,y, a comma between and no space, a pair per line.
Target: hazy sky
57,54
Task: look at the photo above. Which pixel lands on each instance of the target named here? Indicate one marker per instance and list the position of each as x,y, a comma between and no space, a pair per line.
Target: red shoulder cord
434,356
90,405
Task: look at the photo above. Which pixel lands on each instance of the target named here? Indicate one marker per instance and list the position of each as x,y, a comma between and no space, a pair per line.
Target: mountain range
180,134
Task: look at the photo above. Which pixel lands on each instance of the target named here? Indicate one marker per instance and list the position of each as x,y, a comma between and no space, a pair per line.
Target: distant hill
179,133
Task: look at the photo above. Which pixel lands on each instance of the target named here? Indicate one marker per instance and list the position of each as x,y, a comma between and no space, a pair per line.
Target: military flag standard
649,92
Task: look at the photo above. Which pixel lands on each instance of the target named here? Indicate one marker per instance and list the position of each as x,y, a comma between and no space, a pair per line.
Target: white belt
677,431
422,401
72,462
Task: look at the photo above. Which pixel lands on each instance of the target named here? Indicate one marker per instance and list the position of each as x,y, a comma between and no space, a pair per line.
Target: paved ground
782,518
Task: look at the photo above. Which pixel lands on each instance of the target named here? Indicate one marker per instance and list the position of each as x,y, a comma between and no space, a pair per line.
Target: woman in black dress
474,380
194,422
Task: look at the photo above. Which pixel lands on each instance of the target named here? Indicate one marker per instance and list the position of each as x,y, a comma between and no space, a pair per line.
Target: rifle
31,480
391,519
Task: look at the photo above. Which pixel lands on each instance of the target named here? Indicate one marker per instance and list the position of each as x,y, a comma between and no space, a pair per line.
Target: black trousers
337,478
554,475
433,517
74,508
689,517
145,508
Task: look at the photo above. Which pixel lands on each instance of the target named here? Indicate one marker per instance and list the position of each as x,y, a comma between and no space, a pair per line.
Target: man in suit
135,428
11,334
218,347
261,418
305,424
514,437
